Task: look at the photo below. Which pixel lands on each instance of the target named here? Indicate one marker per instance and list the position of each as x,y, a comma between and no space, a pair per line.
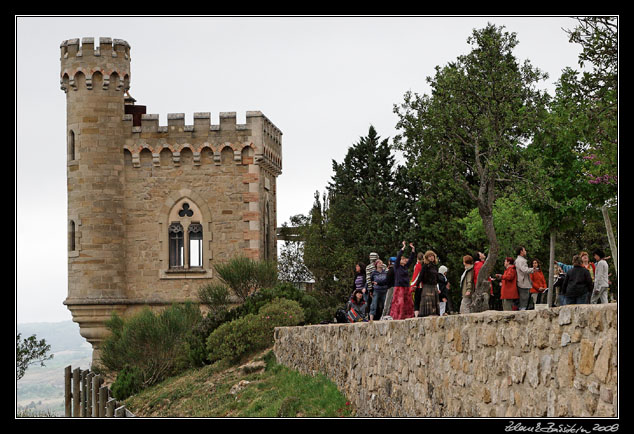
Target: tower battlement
107,47
258,132
81,62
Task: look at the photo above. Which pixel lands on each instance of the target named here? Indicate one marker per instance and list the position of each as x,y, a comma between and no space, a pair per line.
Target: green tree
577,146
365,209
30,351
482,111
595,95
366,202
516,224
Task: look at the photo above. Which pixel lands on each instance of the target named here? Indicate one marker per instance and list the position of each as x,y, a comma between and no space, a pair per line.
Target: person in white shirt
524,283
601,284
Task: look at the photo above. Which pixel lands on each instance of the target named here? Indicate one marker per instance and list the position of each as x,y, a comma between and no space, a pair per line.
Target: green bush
315,308
253,332
310,305
215,297
246,276
129,381
154,343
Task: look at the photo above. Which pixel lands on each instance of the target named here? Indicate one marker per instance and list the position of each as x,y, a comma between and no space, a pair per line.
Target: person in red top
539,282
509,293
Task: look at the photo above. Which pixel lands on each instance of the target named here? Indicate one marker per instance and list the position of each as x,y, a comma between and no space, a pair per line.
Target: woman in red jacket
509,294
539,282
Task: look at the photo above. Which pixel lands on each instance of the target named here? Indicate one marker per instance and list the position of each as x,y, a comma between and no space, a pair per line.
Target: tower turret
95,80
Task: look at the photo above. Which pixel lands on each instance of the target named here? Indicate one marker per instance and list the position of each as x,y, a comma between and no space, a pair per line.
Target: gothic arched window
185,236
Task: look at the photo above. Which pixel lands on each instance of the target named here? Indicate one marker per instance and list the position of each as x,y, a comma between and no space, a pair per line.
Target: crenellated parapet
83,64
258,133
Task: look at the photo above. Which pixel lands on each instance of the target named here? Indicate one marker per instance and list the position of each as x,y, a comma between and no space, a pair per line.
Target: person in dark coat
428,282
578,283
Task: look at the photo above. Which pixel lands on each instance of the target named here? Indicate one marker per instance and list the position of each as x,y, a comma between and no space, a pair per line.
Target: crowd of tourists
387,291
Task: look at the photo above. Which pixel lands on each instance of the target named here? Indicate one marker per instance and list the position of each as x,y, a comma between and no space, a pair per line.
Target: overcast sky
321,80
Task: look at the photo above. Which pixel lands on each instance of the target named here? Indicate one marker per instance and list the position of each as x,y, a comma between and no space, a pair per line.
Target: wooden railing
85,396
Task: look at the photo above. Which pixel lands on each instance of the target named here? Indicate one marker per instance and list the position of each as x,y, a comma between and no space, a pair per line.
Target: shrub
310,305
215,297
315,310
129,381
253,332
155,344
245,276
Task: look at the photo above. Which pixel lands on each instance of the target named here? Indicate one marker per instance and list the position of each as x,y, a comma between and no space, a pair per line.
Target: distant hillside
42,388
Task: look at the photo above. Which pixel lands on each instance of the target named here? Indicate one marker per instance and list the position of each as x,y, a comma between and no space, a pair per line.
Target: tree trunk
480,298
608,228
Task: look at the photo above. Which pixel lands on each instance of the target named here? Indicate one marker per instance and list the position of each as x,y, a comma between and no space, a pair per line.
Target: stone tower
152,208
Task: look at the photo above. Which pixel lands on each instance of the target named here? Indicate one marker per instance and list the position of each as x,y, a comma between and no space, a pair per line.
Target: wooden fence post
103,397
67,392
110,406
95,396
89,394
76,393
82,396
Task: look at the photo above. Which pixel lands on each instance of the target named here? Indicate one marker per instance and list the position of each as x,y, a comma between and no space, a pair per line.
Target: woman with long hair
428,282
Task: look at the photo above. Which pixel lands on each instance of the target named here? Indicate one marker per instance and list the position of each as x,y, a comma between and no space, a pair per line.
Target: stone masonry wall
559,362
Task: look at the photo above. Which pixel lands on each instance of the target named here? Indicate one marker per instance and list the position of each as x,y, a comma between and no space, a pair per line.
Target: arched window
185,236
71,236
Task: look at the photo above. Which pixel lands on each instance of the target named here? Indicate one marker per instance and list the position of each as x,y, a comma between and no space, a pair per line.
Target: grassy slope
274,391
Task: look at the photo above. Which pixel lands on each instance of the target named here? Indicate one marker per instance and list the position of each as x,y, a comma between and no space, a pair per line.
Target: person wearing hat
368,281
